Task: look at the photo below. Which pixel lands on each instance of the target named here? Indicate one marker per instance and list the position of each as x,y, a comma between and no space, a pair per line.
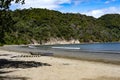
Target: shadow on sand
3,72
4,63
11,77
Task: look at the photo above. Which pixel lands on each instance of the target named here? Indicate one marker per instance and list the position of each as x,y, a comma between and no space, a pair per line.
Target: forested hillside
28,25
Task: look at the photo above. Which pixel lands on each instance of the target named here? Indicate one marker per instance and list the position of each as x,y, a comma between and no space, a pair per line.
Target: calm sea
94,47
95,51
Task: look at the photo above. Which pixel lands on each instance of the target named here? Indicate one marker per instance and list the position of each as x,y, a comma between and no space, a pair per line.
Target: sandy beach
57,68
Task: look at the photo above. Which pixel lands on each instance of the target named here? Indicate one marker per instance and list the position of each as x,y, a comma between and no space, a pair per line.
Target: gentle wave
31,46
66,47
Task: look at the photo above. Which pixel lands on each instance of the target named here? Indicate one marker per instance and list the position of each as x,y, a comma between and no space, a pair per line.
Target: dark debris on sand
4,63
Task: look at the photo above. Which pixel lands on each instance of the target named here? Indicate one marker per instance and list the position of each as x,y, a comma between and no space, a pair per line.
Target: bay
90,47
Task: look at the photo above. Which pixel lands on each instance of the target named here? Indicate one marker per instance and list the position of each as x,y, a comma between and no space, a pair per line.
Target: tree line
26,25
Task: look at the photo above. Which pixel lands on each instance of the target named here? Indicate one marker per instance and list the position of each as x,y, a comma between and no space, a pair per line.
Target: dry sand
60,69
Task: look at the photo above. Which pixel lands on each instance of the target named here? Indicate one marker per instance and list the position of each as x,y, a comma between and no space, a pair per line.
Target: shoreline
104,58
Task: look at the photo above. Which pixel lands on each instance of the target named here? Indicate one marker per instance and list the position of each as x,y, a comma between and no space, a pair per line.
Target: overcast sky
94,8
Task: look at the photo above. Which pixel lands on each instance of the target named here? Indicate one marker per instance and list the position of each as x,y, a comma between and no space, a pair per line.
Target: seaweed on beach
4,63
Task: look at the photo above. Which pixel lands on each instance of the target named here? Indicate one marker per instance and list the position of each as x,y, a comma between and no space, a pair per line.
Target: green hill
25,26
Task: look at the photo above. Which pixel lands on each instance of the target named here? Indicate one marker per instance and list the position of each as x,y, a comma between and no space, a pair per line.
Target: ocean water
109,52
94,47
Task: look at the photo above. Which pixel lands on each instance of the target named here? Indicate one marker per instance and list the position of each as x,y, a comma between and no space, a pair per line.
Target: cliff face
61,41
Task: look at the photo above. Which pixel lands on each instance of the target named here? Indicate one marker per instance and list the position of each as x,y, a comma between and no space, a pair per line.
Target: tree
6,21
5,4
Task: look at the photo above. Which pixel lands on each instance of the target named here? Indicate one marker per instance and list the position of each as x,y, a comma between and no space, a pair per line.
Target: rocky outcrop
61,41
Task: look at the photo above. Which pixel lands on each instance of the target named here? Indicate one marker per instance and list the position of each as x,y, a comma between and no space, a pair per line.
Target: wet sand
60,69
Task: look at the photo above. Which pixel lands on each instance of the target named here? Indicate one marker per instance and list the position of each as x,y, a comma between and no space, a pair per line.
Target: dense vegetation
25,26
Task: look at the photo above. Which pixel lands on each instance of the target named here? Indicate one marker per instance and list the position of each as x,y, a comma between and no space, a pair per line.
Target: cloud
109,1
99,12
77,2
49,4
